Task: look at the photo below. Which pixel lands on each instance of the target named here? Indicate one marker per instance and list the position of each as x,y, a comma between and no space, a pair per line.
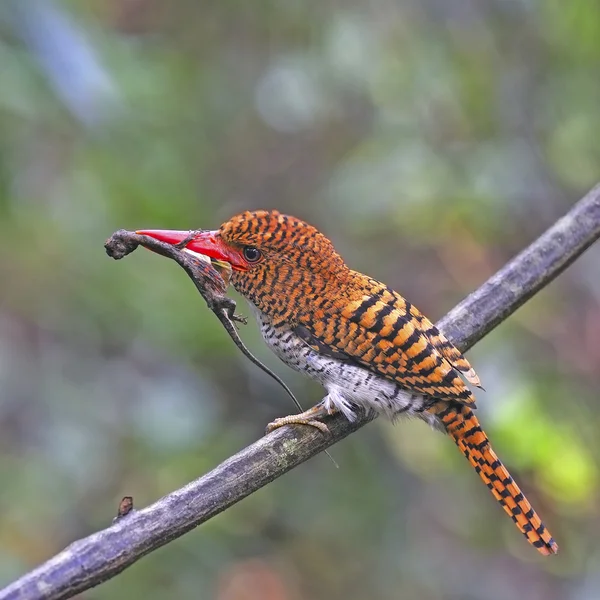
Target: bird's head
277,261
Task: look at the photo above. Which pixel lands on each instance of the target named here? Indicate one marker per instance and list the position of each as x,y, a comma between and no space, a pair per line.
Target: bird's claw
294,420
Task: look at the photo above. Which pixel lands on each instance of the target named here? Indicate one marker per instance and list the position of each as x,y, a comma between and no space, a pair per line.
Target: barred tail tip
462,425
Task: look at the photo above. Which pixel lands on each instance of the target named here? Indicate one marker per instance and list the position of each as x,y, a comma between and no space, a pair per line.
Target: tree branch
98,557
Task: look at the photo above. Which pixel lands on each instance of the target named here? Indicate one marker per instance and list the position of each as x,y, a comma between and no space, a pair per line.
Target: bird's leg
308,417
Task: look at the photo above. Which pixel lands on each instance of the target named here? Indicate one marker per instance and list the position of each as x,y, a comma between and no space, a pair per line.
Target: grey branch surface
102,555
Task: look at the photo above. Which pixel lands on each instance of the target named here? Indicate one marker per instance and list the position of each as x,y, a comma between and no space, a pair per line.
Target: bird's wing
384,333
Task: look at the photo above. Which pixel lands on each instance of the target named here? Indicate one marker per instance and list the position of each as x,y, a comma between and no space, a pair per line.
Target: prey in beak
208,270
203,244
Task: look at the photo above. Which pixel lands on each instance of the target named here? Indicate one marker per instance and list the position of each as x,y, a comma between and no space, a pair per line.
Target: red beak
208,243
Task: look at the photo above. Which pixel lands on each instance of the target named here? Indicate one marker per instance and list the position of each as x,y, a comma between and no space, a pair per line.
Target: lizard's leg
228,305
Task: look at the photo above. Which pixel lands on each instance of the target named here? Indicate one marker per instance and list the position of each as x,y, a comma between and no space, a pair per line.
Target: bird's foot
308,417
297,420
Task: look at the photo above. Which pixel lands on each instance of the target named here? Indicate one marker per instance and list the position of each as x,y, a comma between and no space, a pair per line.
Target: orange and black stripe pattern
386,334
464,428
302,282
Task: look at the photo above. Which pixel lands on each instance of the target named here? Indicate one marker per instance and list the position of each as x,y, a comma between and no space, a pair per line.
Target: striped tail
464,428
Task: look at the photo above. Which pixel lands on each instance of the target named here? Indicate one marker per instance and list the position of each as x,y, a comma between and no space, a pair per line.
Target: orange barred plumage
464,428
363,341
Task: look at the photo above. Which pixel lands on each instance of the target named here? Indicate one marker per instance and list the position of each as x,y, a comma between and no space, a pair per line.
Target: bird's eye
252,254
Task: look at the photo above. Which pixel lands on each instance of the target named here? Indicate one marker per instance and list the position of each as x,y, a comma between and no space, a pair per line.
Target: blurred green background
431,140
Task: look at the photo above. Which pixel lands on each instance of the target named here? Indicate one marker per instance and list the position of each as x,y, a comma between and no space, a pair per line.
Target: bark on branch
102,555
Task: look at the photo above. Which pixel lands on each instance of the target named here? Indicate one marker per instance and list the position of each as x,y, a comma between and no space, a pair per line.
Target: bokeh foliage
431,140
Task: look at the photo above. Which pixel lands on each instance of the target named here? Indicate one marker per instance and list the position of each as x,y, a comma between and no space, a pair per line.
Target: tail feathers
464,428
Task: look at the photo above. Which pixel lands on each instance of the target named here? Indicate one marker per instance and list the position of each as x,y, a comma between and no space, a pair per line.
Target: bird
367,345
